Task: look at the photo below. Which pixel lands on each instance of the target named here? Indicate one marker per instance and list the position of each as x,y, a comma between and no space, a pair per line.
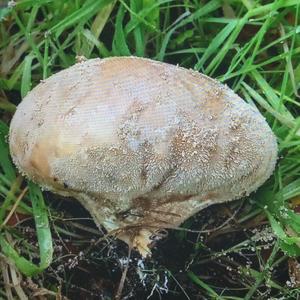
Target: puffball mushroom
143,145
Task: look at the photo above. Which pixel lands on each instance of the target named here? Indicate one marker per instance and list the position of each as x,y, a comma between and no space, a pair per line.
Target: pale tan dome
143,145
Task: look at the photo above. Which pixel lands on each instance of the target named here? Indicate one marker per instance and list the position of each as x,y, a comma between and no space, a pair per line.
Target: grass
245,250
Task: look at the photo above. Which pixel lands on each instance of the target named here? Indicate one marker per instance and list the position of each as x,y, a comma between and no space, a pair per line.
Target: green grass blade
96,29
10,198
85,12
203,285
4,12
215,43
138,31
43,235
25,266
285,119
24,4
206,9
42,225
120,46
26,76
279,231
5,161
141,16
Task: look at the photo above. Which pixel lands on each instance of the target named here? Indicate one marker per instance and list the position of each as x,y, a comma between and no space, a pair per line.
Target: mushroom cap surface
143,145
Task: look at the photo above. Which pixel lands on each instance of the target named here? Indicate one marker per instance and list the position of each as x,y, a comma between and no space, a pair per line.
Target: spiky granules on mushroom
143,145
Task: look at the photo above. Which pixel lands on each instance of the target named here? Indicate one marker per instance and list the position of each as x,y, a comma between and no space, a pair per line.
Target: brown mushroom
143,145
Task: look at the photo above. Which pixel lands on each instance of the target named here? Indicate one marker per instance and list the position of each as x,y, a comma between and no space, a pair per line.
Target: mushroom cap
143,145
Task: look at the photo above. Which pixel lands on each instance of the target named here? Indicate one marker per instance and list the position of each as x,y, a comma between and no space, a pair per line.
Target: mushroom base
140,229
